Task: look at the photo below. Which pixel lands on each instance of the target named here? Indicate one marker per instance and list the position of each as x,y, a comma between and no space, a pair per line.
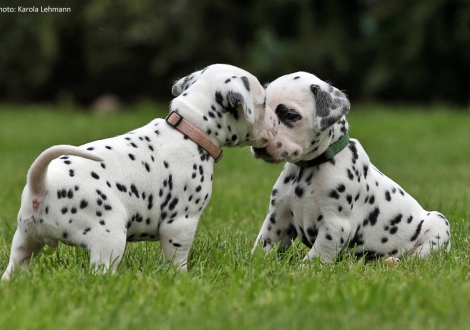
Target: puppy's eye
293,116
287,116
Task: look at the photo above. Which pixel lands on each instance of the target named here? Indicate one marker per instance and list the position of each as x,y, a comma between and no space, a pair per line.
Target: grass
427,151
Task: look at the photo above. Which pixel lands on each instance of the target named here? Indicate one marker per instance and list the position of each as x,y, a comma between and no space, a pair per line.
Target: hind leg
176,239
22,248
106,252
432,234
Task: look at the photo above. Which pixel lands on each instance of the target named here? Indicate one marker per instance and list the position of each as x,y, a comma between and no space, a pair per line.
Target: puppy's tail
37,172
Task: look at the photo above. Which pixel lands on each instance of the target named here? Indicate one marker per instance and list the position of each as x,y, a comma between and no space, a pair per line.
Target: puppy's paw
391,261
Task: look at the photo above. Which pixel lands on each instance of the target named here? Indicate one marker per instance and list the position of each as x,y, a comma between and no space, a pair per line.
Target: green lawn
426,150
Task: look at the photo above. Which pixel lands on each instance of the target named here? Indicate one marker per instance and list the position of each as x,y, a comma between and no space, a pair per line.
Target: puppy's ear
183,84
330,105
237,93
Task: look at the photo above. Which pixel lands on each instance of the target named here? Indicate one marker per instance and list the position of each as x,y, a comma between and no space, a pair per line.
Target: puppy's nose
260,152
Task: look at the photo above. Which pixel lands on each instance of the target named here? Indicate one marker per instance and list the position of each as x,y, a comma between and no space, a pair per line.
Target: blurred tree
373,49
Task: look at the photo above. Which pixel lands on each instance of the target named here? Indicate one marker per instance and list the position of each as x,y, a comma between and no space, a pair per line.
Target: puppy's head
308,109
224,95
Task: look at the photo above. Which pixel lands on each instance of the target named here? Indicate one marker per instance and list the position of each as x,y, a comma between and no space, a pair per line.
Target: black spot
418,230
170,182
71,173
373,216
65,235
94,175
246,83
131,156
173,203
134,190
107,207
299,191
396,220
328,237
365,170
138,217
308,180
61,193
64,210
147,167
350,174
334,194
312,232
387,196
352,147
121,187
272,218
83,203
410,218
288,178
384,240
341,188
357,239
98,213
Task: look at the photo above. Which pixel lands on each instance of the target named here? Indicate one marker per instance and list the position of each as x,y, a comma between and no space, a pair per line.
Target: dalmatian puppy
329,194
147,185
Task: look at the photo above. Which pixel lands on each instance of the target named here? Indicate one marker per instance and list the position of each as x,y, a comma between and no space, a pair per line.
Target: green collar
332,151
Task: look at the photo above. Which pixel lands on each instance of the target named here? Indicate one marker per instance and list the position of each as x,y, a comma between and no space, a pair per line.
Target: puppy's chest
319,191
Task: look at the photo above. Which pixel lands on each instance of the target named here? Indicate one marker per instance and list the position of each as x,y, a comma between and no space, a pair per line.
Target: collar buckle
174,119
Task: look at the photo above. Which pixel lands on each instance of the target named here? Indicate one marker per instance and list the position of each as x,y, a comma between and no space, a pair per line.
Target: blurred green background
374,50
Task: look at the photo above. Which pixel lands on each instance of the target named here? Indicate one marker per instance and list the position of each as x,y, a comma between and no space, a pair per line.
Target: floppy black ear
330,105
183,84
238,94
